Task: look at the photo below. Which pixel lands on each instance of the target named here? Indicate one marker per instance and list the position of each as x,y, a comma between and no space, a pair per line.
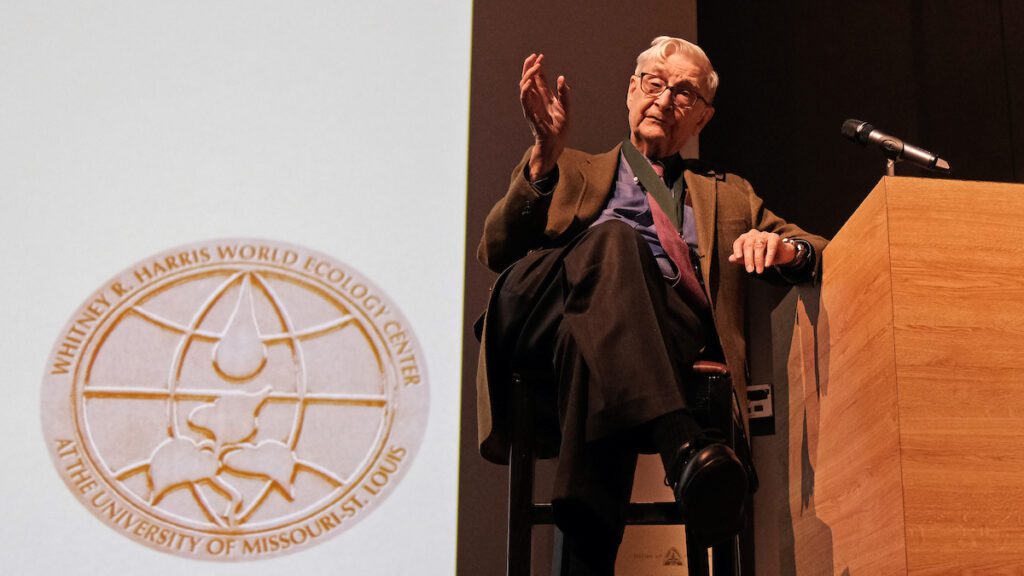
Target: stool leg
723,558
696,557
520,489
520,501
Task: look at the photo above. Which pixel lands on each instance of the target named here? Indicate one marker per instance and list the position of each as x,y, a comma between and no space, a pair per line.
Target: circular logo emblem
234,399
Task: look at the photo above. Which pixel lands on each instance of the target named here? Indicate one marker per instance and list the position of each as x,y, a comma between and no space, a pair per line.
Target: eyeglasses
684,94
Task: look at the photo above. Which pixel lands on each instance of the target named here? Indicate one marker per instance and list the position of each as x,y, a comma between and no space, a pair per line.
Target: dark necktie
677,251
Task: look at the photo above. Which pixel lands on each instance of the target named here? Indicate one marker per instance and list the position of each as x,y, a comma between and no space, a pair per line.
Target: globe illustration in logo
259,401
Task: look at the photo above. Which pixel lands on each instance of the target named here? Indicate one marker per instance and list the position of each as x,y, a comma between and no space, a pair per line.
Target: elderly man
620,270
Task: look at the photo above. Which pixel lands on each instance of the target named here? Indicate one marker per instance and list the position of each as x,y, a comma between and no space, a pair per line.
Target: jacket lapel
598,174
703,196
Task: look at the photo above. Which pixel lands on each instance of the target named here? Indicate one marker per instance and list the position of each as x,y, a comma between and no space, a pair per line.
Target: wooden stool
709,399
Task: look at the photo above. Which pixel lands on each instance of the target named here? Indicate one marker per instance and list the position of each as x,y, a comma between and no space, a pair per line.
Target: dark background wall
947,75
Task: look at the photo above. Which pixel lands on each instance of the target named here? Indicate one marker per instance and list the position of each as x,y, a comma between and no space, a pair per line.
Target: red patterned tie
677,251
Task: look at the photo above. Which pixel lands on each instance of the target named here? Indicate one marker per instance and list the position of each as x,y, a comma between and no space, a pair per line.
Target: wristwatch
801,251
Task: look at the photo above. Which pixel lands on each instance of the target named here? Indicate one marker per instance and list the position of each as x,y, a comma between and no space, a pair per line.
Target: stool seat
709,399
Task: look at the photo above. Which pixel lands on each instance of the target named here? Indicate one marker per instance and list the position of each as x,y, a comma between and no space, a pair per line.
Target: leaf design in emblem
177,462
269,459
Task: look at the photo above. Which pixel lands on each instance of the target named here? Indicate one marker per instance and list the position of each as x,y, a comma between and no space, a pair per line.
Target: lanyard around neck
669,200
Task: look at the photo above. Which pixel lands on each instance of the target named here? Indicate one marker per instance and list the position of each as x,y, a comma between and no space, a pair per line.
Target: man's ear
709,111
631,87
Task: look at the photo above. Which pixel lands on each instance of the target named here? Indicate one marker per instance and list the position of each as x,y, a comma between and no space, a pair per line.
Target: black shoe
710,485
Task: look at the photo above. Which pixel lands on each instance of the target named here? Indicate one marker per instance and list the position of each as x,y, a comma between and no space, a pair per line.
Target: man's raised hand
547,112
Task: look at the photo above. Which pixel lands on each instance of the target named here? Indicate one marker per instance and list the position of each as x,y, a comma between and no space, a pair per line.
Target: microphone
893,148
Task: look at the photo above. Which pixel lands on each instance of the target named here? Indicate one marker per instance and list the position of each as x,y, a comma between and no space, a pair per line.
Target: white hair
664,46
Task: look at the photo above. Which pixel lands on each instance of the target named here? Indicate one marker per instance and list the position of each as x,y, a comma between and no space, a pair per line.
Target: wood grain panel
959,330
858,445
904,390
956,252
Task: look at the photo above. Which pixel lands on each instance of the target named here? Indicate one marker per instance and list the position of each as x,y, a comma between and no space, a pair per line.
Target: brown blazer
724,207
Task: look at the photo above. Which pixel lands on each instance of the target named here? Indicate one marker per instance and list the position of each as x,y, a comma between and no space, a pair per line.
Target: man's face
659,127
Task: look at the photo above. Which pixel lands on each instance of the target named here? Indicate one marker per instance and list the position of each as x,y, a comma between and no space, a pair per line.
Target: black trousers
615,341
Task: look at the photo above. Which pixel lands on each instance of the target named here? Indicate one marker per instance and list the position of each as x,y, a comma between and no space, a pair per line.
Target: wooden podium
899,392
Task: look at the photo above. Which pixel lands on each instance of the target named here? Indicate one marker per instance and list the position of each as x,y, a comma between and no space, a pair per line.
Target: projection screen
233,257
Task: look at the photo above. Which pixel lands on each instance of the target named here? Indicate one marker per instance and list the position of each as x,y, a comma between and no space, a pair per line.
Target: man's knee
614,232
610,239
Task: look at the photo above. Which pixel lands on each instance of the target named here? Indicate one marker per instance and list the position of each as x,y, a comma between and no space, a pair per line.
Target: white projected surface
130,127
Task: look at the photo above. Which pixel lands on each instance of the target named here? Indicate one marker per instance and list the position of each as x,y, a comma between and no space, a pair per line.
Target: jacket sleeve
516,224
765,220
